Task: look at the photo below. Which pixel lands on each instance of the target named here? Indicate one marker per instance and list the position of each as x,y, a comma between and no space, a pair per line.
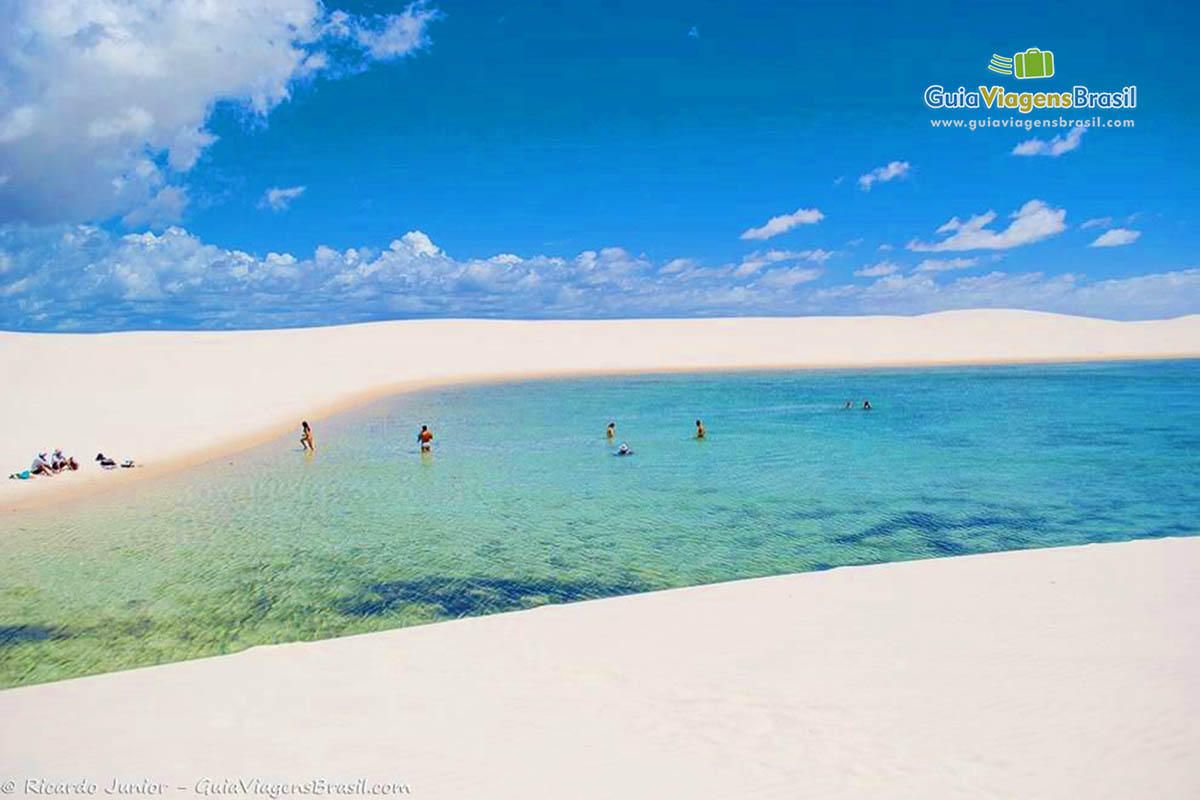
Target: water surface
523,503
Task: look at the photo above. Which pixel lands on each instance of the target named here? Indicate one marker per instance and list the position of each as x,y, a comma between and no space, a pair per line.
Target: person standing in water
700,429
425,439
306,437
611,432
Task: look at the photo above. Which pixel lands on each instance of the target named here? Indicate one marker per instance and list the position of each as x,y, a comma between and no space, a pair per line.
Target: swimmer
849,405
699,429
866,405
624,450
612,430
306,437
425,438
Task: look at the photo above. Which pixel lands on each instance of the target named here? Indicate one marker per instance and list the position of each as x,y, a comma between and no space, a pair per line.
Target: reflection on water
520,503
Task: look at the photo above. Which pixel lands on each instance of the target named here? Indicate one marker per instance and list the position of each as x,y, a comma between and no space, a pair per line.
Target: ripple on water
522,503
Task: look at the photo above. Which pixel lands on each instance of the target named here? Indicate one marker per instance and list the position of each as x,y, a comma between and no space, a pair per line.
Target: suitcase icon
1033,63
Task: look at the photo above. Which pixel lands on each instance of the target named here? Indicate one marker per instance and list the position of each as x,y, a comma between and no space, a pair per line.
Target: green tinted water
523,502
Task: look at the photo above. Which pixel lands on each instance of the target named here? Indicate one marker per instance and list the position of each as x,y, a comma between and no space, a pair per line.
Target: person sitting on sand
105,461
40,465
866,405
699,429
611,431
306,437
60,462
425,438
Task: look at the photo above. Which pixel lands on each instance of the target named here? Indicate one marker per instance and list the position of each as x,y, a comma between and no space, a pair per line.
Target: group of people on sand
57,462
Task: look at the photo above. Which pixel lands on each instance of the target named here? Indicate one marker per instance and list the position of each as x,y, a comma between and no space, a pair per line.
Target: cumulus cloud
105,103
1161,295
73,277
789,277
877,270
1033,222
1116,238
945,264
888,172
278,199
1051,147
783,223
1096,222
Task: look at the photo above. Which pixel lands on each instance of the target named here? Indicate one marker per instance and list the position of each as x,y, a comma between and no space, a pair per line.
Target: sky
277,163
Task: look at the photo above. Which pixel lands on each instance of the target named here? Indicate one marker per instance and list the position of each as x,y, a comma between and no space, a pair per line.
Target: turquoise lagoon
523,502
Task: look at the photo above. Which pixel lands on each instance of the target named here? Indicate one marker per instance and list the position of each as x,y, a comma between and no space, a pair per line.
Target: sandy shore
1051,674
173,399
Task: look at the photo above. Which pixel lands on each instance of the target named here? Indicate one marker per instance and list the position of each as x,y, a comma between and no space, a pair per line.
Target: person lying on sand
108,463
425,439
306,437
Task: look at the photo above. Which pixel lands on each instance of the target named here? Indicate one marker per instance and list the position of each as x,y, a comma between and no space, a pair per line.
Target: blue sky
288,163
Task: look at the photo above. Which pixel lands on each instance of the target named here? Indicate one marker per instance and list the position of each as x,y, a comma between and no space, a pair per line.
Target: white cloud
85,277
888,172
818,255
164,207
1051,147
943,265
788,277
1116,238
1167,294
278,199
1033,222
1096,222
392,35
883,248
877,270
784,223
105,103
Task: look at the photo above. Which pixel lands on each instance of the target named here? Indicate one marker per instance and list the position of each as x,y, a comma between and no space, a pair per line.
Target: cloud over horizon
83,278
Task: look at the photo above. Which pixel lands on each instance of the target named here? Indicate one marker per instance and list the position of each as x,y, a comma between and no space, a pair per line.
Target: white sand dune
1068,673
170,399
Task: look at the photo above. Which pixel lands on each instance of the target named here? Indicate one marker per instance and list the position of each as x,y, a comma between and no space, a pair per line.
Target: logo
1033,63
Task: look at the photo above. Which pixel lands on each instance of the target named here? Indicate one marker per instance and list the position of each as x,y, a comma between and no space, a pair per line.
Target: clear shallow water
522,502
